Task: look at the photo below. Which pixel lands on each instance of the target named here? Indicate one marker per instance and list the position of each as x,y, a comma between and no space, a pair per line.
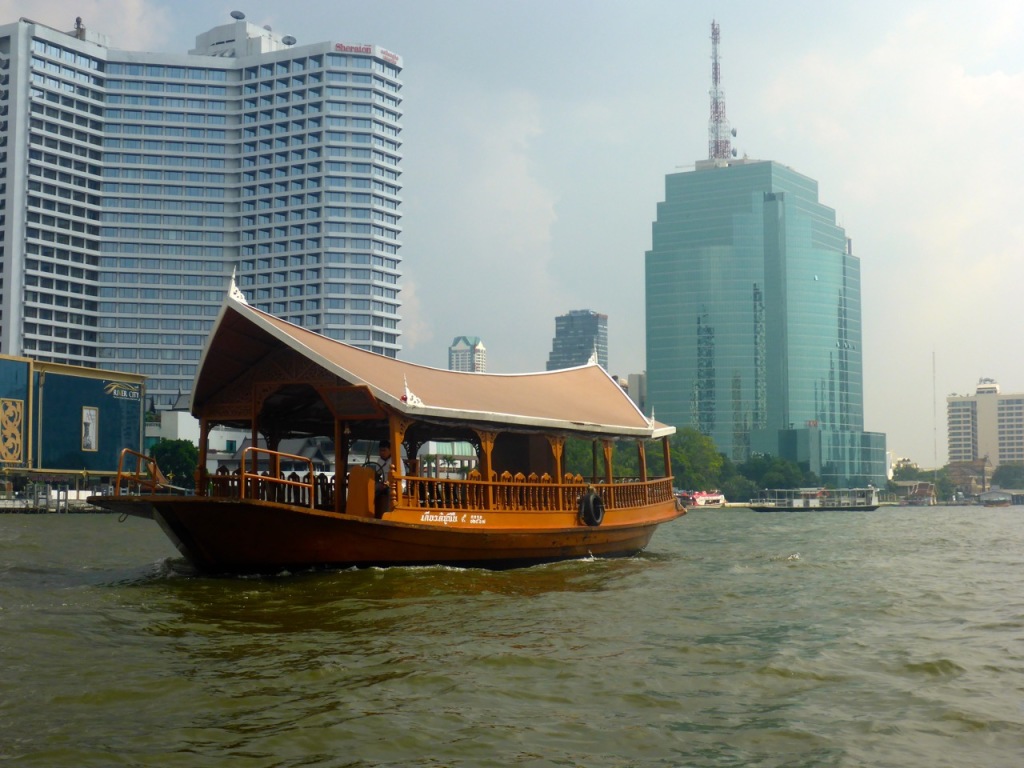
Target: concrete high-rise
986,425
467,353
754,320
134,184
579,336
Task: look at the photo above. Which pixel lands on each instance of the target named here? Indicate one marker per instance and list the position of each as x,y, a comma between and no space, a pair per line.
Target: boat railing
505,492
269,486
139,473
527,493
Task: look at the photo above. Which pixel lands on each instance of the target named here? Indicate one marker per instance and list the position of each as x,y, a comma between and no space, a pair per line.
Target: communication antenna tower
719,141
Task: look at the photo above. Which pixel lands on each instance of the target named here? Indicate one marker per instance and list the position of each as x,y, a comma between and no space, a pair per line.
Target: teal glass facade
754,320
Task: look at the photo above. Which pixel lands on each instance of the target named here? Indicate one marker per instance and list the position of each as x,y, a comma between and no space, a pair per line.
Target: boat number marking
452,517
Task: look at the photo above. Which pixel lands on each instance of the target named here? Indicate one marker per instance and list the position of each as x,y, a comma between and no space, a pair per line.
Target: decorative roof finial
235,292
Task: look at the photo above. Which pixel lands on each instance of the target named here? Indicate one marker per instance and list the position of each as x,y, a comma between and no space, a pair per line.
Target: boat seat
362,482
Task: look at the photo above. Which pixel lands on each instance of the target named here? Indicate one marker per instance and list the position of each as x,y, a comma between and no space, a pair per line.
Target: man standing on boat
382,494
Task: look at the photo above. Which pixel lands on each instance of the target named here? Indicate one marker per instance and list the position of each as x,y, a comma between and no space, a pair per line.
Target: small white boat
693,499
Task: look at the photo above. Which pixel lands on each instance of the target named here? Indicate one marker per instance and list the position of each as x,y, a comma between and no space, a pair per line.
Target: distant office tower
579,336
135,183
986,425
467,353
754,320
754,314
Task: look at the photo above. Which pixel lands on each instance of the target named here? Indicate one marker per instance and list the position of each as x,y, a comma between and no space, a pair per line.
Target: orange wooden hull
220,535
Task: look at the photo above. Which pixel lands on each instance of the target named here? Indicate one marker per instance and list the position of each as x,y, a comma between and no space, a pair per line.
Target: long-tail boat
518,505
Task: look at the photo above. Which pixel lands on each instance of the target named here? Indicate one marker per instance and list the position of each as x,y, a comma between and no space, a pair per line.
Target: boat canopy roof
583,400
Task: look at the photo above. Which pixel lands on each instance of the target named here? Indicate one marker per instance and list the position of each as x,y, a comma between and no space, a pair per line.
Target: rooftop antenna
719,142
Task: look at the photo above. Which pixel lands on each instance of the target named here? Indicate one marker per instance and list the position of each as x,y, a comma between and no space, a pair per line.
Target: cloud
479,250
912,139
130,24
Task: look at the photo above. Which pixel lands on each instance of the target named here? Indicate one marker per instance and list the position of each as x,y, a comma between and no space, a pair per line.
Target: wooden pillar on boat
273,443
641,455
487,447
256,400
340,466
395,438
609,477
397,427
557,450
667,450
204,440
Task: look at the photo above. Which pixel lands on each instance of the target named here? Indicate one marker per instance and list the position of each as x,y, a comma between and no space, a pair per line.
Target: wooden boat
996,498
816,500
516,506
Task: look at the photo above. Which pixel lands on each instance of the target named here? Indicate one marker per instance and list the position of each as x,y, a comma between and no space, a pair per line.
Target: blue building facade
754,320
66,420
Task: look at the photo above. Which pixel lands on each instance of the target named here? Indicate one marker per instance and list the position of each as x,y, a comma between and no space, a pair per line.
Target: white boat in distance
693,499
816,500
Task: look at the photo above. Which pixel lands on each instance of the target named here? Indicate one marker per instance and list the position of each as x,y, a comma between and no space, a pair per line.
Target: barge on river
518,505
816,500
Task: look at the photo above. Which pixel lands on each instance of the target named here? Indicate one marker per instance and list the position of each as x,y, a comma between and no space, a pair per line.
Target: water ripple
739,639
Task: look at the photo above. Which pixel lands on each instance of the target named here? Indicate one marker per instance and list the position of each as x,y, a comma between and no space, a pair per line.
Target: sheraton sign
370,50
342,48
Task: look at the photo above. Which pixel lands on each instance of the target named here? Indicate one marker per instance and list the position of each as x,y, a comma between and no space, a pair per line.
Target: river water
888,638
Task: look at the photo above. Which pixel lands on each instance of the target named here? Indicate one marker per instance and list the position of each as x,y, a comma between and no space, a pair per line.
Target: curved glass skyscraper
753,320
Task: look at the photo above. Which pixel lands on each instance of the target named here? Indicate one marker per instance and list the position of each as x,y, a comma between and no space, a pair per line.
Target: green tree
577,457
177,459
772,472
907,471
1009,476
696,461
734,485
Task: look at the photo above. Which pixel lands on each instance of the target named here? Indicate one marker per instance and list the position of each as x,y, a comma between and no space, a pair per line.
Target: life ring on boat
591,508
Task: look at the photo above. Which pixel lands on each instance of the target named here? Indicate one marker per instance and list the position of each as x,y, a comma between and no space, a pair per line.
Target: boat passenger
382,492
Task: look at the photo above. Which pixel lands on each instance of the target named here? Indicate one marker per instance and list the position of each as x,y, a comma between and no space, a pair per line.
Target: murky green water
892,638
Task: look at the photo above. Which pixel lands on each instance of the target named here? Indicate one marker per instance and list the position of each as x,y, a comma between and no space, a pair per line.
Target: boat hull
822,508
248,536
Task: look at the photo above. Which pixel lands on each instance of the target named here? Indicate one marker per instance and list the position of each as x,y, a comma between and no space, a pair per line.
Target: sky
538,133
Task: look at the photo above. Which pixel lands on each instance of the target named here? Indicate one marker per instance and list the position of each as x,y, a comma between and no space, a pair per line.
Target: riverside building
986,425
133,184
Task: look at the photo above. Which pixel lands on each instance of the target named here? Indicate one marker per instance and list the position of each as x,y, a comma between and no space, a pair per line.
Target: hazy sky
538,134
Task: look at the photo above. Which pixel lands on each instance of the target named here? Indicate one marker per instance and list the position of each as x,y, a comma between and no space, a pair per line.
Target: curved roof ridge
584,398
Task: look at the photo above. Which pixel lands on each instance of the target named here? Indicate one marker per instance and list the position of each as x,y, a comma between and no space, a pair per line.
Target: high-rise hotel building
986,425
132,186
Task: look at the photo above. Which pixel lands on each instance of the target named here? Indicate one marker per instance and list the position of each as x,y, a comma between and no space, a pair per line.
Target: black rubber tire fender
591,508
